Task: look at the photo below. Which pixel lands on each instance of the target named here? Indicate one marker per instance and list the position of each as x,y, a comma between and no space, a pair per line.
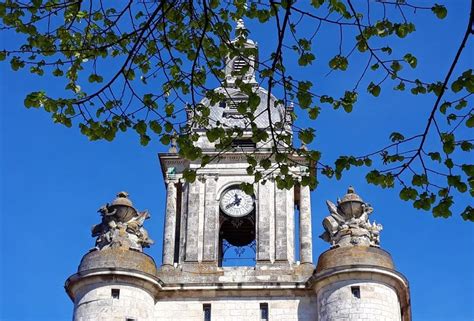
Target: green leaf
440,11
339,62
435,156
468,169
443,208
304,95
189,175
466,146
374,66
314,112
470,121
34,99
411,60
140,127
129,74
144,140
419,180
457,85
317,3
265,163
155,127
95,78
396,137
165,139
306,58
408,193
374,89
468,214
448,143
247,188
306,135
456,182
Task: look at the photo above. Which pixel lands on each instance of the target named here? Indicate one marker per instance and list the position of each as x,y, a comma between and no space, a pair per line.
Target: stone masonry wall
96,303
376,302
237,309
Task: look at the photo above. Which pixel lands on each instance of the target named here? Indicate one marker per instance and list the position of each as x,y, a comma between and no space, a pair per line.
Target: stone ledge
118,258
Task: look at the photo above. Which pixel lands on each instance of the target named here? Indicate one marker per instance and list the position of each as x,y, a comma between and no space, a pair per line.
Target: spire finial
240,24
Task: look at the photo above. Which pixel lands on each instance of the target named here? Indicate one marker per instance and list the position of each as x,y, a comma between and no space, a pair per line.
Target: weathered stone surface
170,224
358,300
192,226
351,283
281,225
96,303
265,210
118,258
211,221
348,223
306,237
121,226
289,308
356,255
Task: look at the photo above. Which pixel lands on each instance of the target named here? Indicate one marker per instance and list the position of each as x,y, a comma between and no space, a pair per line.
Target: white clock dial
236,203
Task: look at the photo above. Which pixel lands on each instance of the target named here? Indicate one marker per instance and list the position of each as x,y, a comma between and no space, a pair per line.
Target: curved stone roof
226,112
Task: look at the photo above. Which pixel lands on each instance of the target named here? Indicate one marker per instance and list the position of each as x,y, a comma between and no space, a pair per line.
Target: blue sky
53,180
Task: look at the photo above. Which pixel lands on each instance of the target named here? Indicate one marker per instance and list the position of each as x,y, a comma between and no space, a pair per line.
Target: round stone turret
116,280
355,279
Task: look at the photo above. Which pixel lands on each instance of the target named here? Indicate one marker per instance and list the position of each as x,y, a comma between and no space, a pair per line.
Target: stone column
281,225
263,222
306,242
211,222
192,224
170,225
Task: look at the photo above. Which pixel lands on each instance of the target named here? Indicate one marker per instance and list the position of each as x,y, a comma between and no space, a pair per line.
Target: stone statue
348,223
121,226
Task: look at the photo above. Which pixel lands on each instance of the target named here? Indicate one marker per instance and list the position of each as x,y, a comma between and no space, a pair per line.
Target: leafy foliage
110,54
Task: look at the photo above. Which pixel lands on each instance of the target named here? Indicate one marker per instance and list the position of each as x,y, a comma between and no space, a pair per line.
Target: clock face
236,203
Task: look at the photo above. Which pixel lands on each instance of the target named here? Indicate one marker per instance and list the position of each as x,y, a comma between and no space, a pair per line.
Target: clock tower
213,222
211,218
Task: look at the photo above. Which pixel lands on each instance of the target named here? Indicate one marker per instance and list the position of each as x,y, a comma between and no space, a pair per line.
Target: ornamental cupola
243,59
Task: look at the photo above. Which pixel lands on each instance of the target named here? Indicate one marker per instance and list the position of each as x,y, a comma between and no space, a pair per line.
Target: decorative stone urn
121,226
348,223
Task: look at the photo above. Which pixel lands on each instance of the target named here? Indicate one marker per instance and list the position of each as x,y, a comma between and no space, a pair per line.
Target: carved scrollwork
348,223
121,226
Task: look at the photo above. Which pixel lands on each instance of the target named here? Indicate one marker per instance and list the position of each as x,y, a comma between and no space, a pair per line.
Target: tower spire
241,64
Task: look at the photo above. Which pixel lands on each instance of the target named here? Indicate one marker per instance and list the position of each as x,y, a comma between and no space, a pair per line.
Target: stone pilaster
211,221
306,243
263,218
202,203
170,224
281,225
192,225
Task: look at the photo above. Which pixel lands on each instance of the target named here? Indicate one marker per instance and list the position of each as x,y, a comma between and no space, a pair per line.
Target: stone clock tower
207,216
207,220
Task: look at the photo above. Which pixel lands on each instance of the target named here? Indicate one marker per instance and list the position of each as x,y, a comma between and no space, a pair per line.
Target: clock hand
229,205
237,199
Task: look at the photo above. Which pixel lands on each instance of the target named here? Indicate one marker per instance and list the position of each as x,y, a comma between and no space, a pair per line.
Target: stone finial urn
121,226
351,204
348,223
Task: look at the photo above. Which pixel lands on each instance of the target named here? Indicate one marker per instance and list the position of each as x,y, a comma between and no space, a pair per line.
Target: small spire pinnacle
240,24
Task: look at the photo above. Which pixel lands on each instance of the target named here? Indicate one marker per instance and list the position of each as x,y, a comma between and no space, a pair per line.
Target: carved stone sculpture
348,223
121,226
